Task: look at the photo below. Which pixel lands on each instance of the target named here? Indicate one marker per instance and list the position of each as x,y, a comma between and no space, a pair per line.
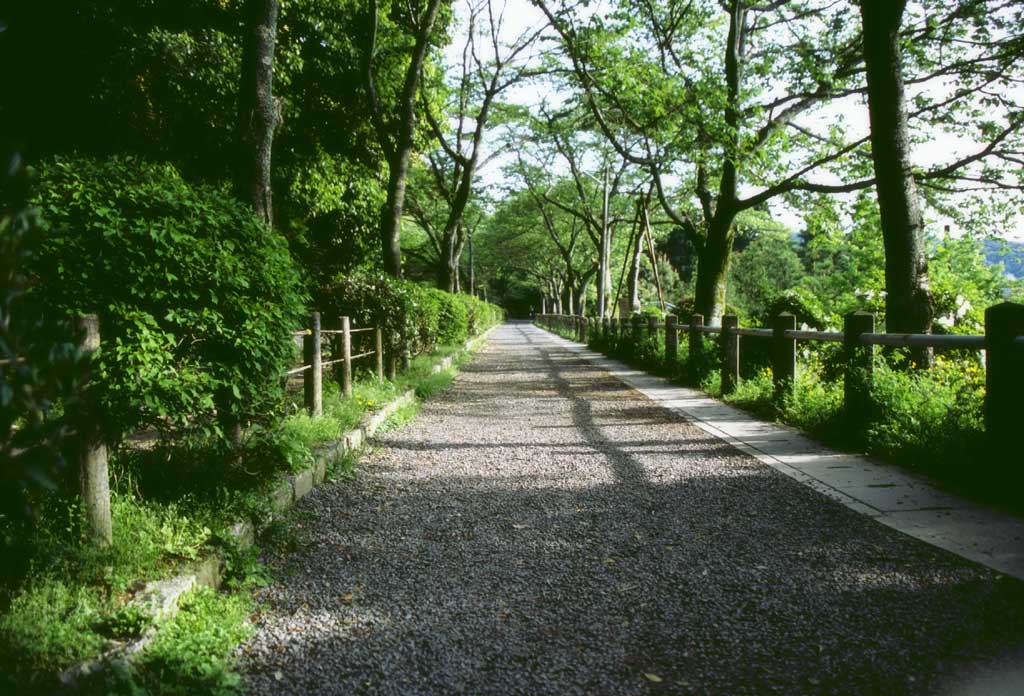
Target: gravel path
541,528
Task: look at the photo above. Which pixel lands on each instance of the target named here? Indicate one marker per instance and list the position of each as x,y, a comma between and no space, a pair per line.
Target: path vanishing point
543,528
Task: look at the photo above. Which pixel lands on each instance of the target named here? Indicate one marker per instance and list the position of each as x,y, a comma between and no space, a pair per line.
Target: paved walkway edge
894,497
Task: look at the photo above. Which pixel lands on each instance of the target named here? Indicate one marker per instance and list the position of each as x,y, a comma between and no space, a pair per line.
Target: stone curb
161,598
905,501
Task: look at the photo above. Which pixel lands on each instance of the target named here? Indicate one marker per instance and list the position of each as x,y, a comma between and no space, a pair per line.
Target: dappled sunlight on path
541,528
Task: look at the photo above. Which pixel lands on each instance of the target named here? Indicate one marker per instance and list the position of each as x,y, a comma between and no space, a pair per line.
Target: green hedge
426,316
196,297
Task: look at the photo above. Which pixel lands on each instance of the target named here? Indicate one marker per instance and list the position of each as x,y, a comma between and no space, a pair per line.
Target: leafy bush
196,297
453,320
935,415
425,316
43,380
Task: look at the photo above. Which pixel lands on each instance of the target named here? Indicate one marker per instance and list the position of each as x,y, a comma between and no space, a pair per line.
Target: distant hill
1010,254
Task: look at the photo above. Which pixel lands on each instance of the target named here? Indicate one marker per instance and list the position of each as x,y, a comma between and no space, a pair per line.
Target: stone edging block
161,598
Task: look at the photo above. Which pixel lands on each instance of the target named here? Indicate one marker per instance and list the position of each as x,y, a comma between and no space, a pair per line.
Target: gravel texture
541,528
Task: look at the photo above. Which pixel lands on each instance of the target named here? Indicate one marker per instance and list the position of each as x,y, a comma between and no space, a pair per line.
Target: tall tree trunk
403,135
258,114
713,267
604,278
581,290
633,279
391,216
472,271
713,259
908,294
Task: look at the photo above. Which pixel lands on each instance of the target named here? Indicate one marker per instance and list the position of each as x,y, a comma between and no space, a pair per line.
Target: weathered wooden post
671,340
860,365
346,355
696,343
637,323
378,350
312,379
730,343
1004,385
652,326
584,329
406,351
93,477
393,357
783,356
614,323
604,328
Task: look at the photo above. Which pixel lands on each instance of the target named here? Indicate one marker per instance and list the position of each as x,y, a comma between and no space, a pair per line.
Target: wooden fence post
783,356
860,364
696,344
614,323
730,353
378,349
406,352
584,329
652,326
671,340
604,328
346,355
1004,384
637,324
393,358
93,476
312,379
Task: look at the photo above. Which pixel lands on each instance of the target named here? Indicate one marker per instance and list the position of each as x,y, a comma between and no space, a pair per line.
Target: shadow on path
540,528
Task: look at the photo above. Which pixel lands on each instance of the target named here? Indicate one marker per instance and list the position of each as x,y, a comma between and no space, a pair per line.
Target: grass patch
400,417
171,503
931,421
71,605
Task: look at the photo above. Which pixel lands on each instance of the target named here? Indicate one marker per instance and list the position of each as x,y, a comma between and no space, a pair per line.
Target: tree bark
908,294
633,279
713,259
472,271
258,114
713,266
401,134
604,278
92,466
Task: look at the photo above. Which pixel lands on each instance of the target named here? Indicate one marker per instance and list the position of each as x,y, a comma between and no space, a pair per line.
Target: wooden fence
340,357
1002,342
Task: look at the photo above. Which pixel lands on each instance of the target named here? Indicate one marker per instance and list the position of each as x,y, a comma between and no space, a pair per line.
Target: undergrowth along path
542,528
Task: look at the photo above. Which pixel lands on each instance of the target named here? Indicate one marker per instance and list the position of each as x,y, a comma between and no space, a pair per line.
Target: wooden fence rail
1003,343
341,358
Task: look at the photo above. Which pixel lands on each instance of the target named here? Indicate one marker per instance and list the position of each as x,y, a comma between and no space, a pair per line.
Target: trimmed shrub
196,297
426,316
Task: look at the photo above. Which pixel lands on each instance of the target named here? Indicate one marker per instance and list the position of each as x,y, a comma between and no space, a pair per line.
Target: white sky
521,15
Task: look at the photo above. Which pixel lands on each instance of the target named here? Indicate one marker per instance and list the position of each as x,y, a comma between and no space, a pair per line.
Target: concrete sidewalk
894,497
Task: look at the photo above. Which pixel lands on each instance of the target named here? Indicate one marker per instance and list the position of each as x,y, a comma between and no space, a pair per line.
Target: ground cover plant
930,421
172,504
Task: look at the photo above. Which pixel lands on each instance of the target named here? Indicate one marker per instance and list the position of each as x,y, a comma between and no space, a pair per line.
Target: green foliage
45,629
44,378
801,304
425,316
767,267
72,601
196,297
127,622
930,419
193,652
963,284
